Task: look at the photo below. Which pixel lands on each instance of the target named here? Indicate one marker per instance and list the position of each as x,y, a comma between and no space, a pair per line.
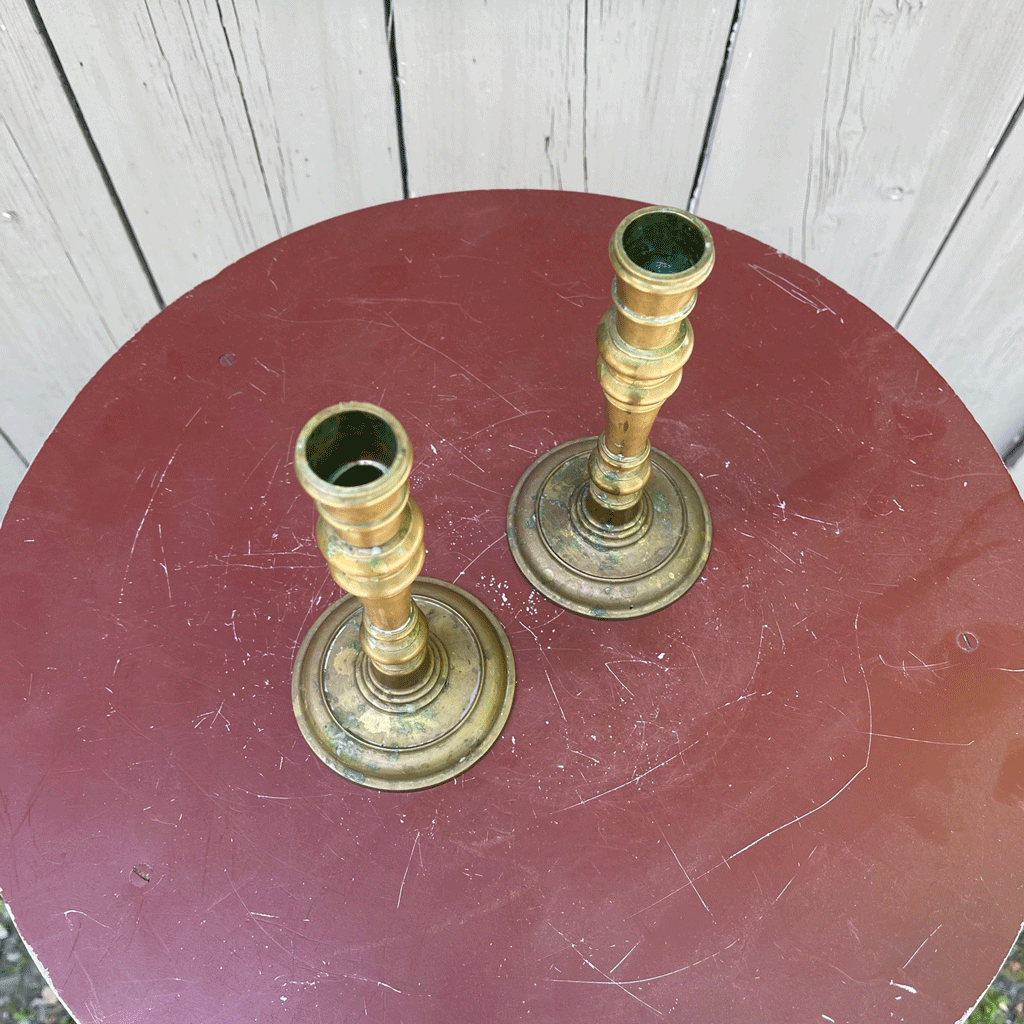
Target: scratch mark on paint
476,558
785,887
163,564
555,695
923,667
919,948
608,665
628,782
747,425
401,888
850,781
793,291
911,739
444,355
645,981
261,363
608,979
686,874
475,465
84,914
145,516
219,713
508,419
623,960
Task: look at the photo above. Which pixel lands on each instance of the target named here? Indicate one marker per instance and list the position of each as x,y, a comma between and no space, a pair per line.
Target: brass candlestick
406,682
610,527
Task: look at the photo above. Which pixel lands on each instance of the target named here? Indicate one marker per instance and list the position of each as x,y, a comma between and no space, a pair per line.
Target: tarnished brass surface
391,692
414,745
602,535
602,576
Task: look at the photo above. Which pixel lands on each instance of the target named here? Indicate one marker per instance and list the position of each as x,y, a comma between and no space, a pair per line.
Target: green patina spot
343,745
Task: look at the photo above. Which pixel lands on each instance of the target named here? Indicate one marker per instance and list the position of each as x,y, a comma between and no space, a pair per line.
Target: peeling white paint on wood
853,130
492,95
651,73
968,317
226,123
71,287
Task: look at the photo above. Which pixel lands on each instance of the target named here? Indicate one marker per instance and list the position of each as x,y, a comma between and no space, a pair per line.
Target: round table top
795,794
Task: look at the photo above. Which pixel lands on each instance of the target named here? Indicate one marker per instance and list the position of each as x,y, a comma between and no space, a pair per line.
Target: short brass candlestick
611,527
405,682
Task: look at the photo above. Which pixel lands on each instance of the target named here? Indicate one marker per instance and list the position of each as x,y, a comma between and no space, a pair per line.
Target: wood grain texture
226,123
853,130
316,77
650,81
492,95
71,286
968,317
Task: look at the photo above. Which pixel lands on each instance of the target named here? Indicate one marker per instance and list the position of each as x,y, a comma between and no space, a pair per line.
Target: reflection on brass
611,527
405,682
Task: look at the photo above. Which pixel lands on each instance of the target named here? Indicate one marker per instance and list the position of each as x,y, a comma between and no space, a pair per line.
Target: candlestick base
439,728
607,573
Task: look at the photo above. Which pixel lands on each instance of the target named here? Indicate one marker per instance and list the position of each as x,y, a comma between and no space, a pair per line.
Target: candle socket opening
351,448
663,243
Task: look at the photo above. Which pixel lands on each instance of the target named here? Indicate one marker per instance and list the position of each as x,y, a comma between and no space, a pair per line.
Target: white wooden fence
145,145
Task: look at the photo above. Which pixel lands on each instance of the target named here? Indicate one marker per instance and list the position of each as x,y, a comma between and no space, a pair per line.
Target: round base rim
412,766
651,587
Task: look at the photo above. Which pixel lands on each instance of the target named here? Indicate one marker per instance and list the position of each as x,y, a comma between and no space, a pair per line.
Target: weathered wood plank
492,96
651,73
852,131
968,317
71,286
611,96
225,123
316,77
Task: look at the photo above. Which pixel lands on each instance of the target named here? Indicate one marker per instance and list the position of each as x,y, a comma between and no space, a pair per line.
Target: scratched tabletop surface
794,795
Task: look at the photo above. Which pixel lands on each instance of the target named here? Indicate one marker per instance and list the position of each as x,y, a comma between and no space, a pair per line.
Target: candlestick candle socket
405,682
610,527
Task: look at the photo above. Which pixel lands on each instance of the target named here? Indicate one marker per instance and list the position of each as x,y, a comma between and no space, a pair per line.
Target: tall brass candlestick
611,527
406,682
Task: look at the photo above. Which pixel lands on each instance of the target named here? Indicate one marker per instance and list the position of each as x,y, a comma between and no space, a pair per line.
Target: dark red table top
795,795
